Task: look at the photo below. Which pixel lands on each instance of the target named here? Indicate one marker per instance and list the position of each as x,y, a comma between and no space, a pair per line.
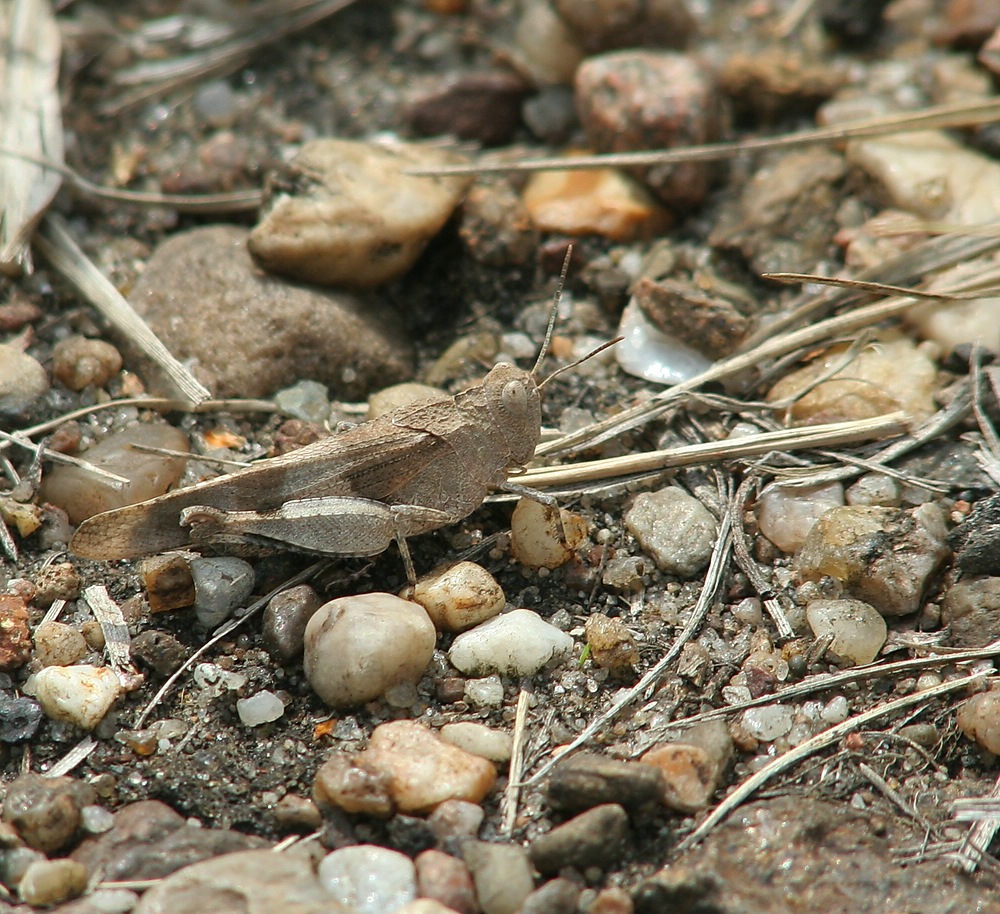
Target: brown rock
587,779
252,334
15,636
78,362
349,785
605,25
168,582
594,838
612,645
446,879
46,811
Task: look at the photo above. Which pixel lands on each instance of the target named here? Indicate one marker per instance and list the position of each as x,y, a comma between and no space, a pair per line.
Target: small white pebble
857,628
786,514
518,643
368,879
484,693
79,695
262,708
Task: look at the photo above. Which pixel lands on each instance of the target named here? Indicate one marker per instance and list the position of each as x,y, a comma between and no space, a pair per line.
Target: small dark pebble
450,689
285,620
158,650
587,779
168,582
853,21
19,717
46,811
678,888
58,581
976,541
594,838
410,834
296,813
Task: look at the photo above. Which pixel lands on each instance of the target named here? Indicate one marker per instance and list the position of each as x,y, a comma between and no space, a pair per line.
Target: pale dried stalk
59,248
820,741
968,857
30,121
789,439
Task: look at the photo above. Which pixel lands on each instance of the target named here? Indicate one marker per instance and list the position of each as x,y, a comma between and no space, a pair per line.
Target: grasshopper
408,472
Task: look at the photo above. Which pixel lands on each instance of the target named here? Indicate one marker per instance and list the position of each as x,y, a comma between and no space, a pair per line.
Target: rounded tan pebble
23,380
345,213
479,739
58,644
346,784
446,880
49,882
612,645
785,514
406,394
423,770
857,629
78,362
534,535
979,719
357,647
458,597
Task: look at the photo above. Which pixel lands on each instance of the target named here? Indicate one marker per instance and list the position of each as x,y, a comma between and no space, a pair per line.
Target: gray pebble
252,334
22,381
220,586
14,862
285,620
594,838
159,650
587,779
557,896
46,811
19,717
502,874
306,400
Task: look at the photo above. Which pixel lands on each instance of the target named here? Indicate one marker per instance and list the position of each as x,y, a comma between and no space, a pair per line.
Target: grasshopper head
516,408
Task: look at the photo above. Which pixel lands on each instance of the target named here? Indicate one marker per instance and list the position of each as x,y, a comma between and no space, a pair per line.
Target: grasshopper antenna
581,360
553,313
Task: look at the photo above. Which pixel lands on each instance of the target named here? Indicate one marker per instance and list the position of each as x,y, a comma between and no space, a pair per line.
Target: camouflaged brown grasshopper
408,472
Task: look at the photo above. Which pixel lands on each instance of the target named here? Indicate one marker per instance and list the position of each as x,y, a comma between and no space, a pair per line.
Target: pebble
545,48
674,528
693,766
78,362
15,635
285,618
168,582
260,708
395,396
979,719
158,650
478,739
601,201
767,722
95,820
58,644
858,630
458,597
550,114
586,779
484,106
612,645
786,514
484,693
892,375
79,695
19,717
453,821
295,813
367,879
604,25
23,381
254,334
343,782
495,227
874,489
149,841
882,556
306,400
343,213
50,882
970,610
221,585
502,874
557,896
535,539
446,879
46,811
976,540
596,837
56,581
14,862
357,647
422,770
518,643
638,99
251,882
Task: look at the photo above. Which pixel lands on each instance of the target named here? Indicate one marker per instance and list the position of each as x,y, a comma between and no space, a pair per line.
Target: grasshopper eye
514,397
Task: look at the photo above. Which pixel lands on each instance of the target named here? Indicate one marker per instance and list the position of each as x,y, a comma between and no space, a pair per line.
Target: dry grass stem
30,122
512,794
65,255
115,629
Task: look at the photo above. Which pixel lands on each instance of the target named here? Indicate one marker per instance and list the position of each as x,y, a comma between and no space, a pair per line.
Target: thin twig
512,794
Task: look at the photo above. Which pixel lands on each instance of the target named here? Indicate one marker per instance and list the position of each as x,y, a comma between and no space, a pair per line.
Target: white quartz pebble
768,722
518,643
80,695
785,514
367,879
261,708
858,630
357,647
478,739
647,352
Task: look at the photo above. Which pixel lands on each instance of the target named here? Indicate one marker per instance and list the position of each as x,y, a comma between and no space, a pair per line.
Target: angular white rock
518,643
674,528
357,647
768,722
785,514
858,629
80,694
368,879
646,352
262,708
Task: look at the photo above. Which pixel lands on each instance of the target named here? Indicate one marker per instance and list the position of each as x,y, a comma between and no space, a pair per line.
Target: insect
408,472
